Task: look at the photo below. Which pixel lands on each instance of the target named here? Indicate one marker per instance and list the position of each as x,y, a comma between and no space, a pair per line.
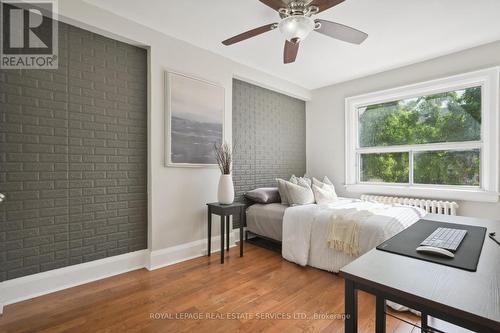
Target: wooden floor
259,291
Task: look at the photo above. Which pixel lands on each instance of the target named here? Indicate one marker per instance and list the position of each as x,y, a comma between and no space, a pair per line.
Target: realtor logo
29,34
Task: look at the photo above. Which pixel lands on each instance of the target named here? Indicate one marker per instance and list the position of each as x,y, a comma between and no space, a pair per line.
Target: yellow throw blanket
343,229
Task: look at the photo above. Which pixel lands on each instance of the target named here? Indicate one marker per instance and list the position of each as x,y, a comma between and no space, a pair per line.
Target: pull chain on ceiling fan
297,23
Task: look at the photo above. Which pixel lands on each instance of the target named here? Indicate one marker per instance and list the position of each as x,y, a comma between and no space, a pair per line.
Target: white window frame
488,79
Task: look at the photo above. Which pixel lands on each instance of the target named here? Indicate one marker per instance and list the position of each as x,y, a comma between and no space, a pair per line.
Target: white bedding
305,231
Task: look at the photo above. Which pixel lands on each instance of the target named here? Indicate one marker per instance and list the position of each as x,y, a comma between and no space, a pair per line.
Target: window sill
425,192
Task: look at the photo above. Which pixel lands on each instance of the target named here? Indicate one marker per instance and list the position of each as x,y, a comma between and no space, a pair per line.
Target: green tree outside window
453,116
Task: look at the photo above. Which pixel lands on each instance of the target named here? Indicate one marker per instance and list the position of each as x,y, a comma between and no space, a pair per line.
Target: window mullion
410,158
357,168
466,145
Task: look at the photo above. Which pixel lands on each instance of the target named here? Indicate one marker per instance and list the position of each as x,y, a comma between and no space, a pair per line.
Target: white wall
177,196
325,113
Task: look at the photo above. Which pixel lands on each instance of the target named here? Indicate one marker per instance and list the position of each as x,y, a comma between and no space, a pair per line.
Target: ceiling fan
297,22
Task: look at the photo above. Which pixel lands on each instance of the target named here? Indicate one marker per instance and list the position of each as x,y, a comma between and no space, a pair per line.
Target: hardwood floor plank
260,292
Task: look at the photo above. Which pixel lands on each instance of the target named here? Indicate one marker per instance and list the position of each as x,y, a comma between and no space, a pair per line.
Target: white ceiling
400,32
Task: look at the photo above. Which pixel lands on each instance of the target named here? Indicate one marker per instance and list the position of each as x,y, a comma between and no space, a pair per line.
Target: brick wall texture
73,154
269,137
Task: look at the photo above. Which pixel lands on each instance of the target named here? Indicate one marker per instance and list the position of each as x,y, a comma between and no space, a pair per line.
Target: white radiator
431,206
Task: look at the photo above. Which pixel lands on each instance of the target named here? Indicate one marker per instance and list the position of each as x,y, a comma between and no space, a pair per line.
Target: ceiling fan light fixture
296,24
296,27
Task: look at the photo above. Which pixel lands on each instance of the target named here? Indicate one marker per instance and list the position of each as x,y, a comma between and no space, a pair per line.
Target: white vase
225,193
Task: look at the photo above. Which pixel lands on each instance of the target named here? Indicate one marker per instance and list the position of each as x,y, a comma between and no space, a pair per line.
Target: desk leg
209,231
241,231
228,231
222,222
380,315
351,307
423,322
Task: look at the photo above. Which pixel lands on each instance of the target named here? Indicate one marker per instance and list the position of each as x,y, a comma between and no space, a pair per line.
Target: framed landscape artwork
194,120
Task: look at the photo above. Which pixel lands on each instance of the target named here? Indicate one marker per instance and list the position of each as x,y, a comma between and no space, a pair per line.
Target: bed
266,220
302,230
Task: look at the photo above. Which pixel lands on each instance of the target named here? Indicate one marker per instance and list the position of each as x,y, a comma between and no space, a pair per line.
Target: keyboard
445,238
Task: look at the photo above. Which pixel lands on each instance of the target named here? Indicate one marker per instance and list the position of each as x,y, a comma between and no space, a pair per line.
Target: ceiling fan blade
342,32
274,4
249,34
325,4
290,52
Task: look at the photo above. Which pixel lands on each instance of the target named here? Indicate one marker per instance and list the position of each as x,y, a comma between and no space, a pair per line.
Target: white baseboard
183,252
27,287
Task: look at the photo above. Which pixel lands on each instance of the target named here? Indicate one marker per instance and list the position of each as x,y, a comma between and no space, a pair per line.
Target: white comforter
305,231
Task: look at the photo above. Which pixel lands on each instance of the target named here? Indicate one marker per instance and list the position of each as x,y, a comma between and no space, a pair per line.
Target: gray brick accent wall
269,137
73,154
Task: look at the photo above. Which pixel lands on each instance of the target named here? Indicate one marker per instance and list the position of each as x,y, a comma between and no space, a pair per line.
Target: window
435,139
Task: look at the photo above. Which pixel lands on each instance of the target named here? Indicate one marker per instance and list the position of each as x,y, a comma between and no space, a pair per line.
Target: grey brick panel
269,137
73,163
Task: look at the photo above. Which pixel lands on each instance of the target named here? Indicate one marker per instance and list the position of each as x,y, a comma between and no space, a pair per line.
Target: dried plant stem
223,155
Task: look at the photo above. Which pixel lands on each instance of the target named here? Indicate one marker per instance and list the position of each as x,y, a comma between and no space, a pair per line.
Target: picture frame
194,120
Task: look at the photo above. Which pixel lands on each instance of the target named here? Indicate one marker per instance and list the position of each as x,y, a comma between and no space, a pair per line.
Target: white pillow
299,194
324,195
319,183
282,190
305,180
327,193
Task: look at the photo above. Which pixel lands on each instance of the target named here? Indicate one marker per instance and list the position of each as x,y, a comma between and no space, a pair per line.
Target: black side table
224,211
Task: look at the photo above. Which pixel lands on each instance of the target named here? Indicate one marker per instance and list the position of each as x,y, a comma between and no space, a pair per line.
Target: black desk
225,211
466,299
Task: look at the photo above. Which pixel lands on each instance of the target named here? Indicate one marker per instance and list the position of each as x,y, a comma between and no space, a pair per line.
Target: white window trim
488,79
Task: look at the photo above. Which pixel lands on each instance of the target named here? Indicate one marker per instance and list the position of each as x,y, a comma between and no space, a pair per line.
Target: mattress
266,220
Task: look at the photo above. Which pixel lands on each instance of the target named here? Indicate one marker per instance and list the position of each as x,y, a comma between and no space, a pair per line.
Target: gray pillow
264,195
